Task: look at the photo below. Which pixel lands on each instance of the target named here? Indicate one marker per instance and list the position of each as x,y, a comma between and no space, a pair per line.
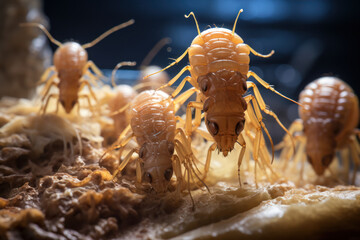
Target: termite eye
171,148
326,160
147,177
239,127
206,105
309,160
142,152
204,86
213,127
168,174
73,103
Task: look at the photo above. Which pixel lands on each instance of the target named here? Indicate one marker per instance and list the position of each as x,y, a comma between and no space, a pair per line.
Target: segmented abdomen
152,117
329,101
217,49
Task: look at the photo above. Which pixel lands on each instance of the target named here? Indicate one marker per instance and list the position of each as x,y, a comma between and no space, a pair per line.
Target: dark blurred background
310,38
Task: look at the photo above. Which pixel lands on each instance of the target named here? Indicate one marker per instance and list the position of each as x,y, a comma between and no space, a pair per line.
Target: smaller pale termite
71,70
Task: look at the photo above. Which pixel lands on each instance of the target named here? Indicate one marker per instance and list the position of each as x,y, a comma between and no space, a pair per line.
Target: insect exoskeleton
219,67
71,71
328,123
163,149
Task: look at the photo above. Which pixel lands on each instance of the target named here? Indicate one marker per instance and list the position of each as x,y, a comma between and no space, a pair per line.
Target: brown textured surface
51,192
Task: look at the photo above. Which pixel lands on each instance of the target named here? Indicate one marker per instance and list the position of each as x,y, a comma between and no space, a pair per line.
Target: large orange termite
71,70
328,123
153,125
219,68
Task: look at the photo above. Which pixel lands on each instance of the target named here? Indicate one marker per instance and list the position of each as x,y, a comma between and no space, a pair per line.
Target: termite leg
46,90
124,162
91,77
267,86
204,134
138,170
46,74
172,64
183,97
185,144
186,154
54,95
84,83
346,162
262,106
118,144
208,158
88,100
197,121
256,122
90,64
260,118
355,156
177,169
300,157
260,55
242,142
174,79
296,126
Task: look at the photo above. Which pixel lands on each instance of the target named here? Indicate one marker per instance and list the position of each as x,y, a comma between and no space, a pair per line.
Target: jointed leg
256,123
177,170
124,163
241,155
138,170
174,79
46,74
259,117
189,123
356,159
267,86
90,64
88,100
208,159
119,145
43,109
262,106
172,64
204,134
183,97
48,85
84,83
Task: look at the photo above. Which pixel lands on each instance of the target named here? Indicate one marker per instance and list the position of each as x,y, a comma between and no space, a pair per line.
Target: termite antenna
233,30
108,32
197,25
51,38
158,46
119,65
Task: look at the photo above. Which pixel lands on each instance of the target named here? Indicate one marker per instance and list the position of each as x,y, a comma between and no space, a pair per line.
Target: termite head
320,147
157,169
225,130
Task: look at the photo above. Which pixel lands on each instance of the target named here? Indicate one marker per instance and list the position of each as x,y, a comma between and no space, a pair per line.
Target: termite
219,68
153,125
327,124
71,70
